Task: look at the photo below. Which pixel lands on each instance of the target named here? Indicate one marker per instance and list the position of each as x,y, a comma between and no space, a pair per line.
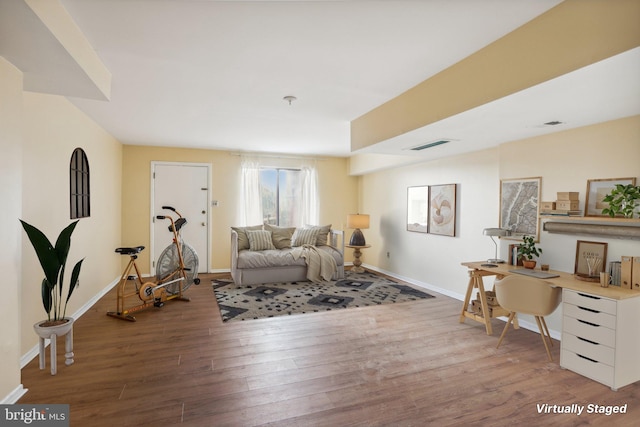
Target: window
79,188
281,196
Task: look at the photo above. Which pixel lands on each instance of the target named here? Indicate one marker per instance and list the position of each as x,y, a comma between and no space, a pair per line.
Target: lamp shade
357,221
496,232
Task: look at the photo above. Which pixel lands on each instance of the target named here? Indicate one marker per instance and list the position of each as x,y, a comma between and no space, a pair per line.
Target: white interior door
184,186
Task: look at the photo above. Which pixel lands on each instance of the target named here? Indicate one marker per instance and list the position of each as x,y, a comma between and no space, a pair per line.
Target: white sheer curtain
310,201
250,199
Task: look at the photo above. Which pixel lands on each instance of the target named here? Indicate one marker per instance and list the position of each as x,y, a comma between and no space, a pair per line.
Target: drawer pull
589,341
588,296
588,309
587,358
588,323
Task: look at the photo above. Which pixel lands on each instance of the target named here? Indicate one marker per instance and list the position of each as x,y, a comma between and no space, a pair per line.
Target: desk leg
484,305
467,297
475,281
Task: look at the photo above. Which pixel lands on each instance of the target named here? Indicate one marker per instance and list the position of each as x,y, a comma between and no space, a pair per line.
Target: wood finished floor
409,364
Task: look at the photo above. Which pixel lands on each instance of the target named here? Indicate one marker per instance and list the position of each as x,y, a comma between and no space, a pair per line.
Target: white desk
600,326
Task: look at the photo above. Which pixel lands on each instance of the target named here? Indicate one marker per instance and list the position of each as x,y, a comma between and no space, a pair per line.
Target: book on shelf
513,255
560,212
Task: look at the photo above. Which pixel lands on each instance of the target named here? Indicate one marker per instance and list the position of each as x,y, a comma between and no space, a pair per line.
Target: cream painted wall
338,193
564,160
11,196
52,129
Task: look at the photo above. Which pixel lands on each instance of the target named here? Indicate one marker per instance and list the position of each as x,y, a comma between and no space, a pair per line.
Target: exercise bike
176,270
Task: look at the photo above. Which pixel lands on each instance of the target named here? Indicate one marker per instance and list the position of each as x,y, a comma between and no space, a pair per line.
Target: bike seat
178,223
130,251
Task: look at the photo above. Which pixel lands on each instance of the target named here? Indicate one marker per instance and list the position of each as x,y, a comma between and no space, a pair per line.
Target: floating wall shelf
617,228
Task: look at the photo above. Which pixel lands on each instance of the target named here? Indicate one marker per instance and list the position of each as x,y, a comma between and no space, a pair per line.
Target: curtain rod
276,156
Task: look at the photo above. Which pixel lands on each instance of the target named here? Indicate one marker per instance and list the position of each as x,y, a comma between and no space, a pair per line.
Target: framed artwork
418,209
442,209
519,202
597,189
591,258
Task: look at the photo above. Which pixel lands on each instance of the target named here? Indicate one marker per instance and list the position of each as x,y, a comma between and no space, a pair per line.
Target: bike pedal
158,303
131,277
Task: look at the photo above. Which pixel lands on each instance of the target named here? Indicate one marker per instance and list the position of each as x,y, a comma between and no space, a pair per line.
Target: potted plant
527,250
53,260
622,200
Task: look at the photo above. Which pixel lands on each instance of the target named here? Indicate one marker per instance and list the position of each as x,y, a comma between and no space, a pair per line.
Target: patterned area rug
279,299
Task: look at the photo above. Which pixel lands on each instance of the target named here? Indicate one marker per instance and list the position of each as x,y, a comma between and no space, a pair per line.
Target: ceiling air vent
430,144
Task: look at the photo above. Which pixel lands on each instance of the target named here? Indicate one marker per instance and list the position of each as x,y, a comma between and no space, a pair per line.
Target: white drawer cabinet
601,337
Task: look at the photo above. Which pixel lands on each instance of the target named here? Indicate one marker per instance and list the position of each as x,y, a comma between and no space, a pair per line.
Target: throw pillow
259,240
281,236
304,236
243,240
323,233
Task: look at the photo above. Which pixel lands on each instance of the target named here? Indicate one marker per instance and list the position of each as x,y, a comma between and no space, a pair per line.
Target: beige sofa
253,261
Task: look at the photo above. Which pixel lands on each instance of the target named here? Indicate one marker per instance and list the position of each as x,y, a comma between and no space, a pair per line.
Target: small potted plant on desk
53,260
527,250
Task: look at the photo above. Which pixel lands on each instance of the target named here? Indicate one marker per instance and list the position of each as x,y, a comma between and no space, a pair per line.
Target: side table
356,258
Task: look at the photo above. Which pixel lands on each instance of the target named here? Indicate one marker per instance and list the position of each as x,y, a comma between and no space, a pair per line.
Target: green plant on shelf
622,200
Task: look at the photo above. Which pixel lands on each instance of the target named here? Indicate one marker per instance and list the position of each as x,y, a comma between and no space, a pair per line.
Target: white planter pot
52,333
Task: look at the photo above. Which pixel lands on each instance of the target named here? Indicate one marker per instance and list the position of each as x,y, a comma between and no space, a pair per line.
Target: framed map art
519,201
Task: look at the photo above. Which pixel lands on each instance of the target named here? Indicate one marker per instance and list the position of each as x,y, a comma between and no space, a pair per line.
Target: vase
52,333
528,263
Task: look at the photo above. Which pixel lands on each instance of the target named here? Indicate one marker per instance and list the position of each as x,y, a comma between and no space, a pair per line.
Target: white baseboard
219,270
13,397
460,297
34,351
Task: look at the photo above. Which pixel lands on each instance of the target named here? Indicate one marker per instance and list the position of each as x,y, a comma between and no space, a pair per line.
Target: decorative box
491,298
548,206
568,195
567,205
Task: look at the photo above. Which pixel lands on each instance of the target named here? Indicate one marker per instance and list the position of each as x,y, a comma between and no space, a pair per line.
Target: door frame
207,261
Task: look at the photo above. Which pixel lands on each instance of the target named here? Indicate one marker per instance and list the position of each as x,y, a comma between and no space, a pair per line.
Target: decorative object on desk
418,209
591,258
623,200
605,279
519,200
513,254
442,209
357,221
495,232
598,189
527,250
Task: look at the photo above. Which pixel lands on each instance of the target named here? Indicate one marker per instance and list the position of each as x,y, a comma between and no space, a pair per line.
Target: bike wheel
168,262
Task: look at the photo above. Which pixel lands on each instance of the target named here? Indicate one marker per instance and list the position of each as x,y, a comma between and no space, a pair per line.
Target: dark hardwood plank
404,364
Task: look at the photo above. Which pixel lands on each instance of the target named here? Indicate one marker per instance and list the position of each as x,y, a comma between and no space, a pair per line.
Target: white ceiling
212,74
